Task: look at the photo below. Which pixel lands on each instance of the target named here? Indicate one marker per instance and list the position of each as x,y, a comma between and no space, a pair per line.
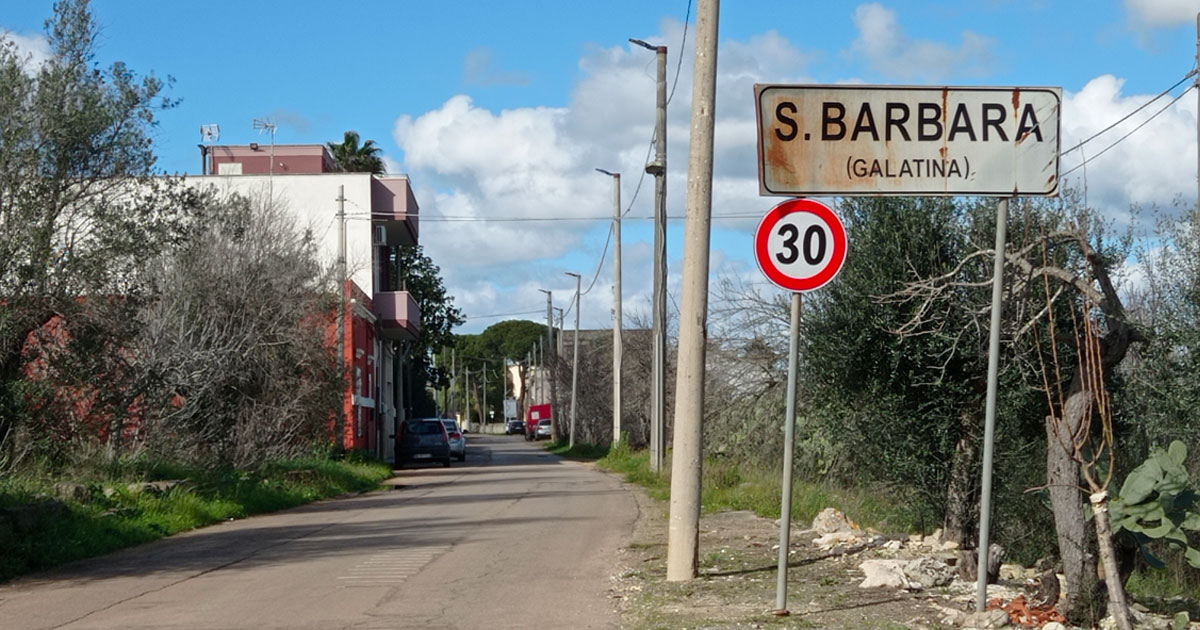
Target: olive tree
80,213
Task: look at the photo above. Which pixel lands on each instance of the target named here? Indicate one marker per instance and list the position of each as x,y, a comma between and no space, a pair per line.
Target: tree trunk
961,499
1084,601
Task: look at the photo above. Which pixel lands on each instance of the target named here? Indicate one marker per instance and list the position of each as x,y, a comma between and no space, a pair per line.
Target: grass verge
730,485
580,452
111,507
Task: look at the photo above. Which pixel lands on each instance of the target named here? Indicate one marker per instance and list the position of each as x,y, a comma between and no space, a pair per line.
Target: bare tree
1060,258
236,346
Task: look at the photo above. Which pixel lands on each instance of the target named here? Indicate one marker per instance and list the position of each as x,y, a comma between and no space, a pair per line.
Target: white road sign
897,140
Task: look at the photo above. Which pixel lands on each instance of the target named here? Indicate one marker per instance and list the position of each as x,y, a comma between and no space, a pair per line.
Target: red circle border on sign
763,256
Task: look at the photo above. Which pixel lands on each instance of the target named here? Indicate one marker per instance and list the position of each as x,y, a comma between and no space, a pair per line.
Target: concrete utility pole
467,396
617,347
559,329
554,356
658,168
340,426
683,534
541,370
574,362
559,334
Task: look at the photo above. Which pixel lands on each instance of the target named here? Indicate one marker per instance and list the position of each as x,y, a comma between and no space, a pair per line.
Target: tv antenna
208,135
265,125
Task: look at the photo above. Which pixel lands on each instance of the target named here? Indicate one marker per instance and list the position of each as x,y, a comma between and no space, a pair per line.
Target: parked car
458,442
514,425
422,440
543,429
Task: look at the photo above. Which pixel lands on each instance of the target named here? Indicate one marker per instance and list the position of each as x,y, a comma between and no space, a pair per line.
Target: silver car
458,441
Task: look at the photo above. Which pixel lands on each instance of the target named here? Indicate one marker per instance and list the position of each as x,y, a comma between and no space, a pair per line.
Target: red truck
536,414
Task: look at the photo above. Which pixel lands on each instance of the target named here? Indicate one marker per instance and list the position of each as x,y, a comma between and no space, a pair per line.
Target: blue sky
502,109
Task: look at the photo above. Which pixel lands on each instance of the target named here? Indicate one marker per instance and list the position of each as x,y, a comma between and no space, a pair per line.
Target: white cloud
34,49
886,48
537,162
1152,166
1162,13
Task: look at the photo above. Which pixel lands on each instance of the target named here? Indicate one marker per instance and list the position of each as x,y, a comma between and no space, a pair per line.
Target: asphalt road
512,538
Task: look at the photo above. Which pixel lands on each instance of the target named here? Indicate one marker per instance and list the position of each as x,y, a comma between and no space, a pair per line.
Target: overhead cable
1130,114
1131,132
534,312
682,42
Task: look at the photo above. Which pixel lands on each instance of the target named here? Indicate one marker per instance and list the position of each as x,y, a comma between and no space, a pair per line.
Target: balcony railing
398,315
394,207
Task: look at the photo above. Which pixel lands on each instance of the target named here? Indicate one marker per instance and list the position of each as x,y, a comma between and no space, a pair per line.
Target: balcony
398,315
394,207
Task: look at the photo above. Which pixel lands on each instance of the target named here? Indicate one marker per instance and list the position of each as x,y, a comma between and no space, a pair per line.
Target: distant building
381,214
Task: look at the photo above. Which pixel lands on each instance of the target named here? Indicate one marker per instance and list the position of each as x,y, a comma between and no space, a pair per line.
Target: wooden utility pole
683,535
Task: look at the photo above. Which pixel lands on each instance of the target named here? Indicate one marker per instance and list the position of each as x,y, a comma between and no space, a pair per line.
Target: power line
505,314
679,63
603,255
1131,132
470,219
1130,114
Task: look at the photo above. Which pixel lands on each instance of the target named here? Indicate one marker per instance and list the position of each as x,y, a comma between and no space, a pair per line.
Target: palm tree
349,157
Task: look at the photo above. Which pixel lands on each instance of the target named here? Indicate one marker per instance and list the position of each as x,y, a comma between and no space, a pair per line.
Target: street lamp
550,349
574,361
658,168
618,348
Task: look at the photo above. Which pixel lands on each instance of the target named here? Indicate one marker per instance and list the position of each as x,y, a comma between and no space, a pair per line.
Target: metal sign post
800,246
989,420
789,442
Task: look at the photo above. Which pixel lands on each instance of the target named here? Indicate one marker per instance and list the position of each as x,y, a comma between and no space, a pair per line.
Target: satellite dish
210,133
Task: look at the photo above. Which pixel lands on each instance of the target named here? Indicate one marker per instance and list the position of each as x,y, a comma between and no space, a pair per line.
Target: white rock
1054,625
885,573
833,539
928,572
913,575
831,520
1013,572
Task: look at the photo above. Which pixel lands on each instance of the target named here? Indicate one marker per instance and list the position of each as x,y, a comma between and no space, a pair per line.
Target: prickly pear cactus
1157,502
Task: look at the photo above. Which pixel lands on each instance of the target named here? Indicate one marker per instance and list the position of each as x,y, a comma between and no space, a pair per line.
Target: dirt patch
737,584
737,587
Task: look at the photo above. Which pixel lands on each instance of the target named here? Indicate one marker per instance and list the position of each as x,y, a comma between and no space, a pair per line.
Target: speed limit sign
800,245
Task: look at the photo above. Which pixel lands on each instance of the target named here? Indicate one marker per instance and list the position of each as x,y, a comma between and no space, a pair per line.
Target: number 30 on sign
800,245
